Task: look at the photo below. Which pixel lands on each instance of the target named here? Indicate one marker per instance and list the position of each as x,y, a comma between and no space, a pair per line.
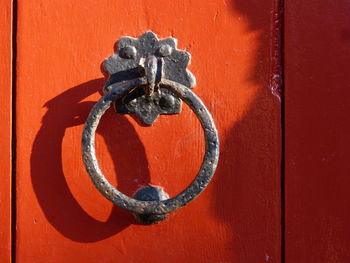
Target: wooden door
61,217
317,106
6,128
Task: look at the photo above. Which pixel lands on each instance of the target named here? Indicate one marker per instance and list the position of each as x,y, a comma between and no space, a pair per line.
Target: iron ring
200,182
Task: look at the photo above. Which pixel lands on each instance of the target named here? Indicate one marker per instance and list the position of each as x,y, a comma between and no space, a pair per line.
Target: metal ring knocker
150,204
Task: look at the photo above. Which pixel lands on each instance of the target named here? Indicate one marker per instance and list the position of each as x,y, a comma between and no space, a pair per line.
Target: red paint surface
61,217
5,124
317,86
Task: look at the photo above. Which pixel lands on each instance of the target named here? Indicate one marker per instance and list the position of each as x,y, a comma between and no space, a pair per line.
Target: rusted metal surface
151,207
150,193
148,108
154,59
162,81
133,52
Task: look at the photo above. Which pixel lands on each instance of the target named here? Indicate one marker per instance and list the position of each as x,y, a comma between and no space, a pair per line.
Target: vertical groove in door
277,89
14,137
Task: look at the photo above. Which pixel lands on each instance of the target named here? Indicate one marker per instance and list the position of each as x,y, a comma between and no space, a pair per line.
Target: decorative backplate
154,59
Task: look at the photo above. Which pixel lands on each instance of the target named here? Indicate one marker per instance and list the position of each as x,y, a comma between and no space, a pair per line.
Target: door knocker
149,77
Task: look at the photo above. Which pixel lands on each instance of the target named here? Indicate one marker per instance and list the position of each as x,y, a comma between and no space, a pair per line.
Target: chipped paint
276,79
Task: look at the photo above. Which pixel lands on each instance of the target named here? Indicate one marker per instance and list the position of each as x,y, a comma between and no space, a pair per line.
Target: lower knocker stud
149,77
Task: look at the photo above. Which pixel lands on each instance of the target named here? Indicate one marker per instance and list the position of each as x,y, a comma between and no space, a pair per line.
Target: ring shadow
56,200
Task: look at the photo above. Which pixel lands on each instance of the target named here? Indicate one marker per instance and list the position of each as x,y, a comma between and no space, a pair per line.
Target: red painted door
61,217
317,106
6,127
280,193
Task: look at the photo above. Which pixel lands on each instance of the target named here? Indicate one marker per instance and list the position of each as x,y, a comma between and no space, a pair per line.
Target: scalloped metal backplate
125,65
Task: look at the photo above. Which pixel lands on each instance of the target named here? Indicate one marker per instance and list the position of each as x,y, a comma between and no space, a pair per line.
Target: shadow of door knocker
149,77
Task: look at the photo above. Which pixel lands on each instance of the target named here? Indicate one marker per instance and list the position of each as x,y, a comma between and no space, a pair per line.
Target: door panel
5,124
317,86
61,217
